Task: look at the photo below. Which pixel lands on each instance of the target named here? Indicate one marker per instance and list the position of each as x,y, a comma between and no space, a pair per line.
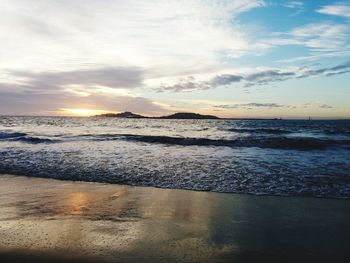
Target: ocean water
262,157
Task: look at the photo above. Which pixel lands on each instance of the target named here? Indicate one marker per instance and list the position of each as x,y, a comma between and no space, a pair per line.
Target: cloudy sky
231,58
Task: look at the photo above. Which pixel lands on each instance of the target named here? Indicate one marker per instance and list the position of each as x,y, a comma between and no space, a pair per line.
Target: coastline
53,220
78,181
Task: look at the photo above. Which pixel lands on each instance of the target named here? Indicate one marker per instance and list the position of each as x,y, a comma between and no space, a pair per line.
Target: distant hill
126,114
179,115
188,115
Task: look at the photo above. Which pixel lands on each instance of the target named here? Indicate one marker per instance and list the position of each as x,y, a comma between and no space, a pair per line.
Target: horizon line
155,117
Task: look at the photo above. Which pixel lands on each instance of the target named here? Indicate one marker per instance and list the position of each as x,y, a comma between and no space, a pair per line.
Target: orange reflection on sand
77,203
88,203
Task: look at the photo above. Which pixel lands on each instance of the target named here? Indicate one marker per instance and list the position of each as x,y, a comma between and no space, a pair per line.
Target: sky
229,58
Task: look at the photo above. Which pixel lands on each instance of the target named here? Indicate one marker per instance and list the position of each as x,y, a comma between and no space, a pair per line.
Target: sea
259,157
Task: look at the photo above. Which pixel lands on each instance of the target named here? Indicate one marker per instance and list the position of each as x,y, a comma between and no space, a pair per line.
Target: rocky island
188,115
179,115
126,114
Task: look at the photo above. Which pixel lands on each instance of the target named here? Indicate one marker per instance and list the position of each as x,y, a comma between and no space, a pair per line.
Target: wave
295,143
35,140
338,132
23,137
10,135
260,130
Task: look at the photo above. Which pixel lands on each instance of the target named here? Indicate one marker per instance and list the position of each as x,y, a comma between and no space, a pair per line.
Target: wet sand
45,220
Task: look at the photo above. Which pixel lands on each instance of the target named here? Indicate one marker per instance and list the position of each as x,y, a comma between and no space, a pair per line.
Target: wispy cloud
268,106
317,56
316,105
326,106
342,10
324,36
294,4
251,105
298,6
257,78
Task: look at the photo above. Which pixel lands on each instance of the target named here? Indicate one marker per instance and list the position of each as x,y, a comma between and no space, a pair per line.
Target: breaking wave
293,143
23,137
10,135
262,130
280,142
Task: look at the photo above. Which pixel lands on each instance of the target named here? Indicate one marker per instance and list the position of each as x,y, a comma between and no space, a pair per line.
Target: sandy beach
46,220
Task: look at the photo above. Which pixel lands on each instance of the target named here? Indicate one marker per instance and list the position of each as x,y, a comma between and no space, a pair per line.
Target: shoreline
179,189
55,220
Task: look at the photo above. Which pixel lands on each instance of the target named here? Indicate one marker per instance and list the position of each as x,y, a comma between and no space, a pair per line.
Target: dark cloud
310,73
327,71
116,77
337,73
184,86
254,79
345,65
225,79
269,75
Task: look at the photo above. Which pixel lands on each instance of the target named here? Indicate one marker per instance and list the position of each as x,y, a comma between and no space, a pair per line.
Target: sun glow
83,112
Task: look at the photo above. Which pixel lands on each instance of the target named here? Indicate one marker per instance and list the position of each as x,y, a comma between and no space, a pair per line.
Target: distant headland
176,116
126,114
179,115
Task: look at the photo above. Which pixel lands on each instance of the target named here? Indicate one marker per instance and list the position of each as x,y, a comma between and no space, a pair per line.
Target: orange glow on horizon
83,112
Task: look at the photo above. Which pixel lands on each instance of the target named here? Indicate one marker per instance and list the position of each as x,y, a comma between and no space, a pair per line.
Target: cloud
257,78
321,36
341,66
325,37
317,105
116,77
294,4
327,71
225,79
325,106
316,56
256,105
251,106
31,102
93,33
268,76
102,89
342,10
337,73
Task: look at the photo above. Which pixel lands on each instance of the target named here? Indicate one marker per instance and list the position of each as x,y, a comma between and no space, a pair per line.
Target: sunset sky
237,58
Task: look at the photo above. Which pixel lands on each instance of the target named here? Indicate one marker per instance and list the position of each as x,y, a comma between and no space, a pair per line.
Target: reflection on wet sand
78,203
128,224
